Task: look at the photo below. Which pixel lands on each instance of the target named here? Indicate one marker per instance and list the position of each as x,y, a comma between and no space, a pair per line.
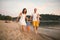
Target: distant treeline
43,17
50,17
3,17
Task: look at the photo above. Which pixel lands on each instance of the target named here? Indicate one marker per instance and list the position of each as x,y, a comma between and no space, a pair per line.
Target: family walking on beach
34,17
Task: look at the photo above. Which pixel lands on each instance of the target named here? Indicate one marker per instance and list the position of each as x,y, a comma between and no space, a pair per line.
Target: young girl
22,19
28,25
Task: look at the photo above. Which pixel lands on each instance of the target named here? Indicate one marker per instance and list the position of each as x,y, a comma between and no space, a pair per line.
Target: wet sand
51,32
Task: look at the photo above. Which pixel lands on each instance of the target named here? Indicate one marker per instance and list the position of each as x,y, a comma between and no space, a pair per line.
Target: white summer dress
22,20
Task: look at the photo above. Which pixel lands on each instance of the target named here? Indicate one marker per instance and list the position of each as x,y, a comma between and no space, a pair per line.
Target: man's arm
39,16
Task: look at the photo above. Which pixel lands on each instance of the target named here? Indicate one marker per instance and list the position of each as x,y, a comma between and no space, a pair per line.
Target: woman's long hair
23,10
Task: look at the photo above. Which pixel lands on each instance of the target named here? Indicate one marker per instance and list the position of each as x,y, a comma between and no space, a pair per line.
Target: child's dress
28,26
22,20
28,23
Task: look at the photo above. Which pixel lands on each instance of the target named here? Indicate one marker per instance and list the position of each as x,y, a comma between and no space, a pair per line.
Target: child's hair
23,10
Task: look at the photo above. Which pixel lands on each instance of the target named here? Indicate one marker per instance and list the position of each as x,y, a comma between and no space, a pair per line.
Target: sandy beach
12,31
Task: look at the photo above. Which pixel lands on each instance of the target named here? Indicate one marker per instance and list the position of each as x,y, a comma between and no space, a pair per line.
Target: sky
14,7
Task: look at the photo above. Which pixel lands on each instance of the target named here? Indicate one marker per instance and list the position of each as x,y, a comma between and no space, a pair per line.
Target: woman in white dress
22,21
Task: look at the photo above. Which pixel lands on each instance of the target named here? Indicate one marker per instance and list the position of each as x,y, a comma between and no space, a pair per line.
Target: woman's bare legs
23,28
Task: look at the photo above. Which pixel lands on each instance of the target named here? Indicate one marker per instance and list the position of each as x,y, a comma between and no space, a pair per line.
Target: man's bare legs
35,29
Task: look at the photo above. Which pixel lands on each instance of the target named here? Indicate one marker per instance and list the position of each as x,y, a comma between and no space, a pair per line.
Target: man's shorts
35,23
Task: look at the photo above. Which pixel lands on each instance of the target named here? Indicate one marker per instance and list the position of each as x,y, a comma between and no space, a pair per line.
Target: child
22,19
28,25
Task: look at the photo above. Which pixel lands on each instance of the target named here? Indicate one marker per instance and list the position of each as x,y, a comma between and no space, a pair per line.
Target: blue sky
14,7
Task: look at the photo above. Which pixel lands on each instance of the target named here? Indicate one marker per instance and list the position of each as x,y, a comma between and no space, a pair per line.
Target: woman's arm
26,18
19,16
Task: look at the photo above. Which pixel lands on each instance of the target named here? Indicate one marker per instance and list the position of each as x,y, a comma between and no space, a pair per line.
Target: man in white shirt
35,22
